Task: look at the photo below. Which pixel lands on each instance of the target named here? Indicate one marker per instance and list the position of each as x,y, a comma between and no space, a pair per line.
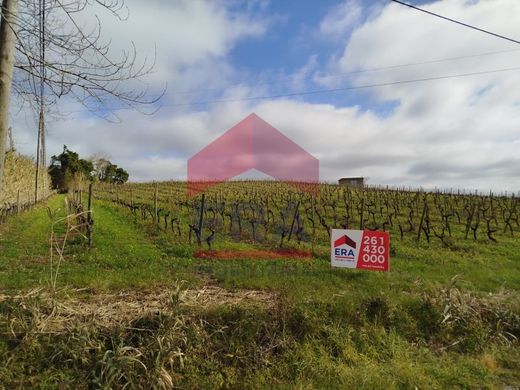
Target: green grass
328,328
122,255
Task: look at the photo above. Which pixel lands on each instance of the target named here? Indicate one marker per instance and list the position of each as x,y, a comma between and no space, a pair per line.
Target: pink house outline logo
252,144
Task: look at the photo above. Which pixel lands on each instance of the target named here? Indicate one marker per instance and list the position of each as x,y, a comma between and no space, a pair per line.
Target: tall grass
372,344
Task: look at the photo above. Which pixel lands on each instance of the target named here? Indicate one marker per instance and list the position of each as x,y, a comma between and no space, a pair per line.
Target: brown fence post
155,210
425,207
201,218
293,220
89,216
361,216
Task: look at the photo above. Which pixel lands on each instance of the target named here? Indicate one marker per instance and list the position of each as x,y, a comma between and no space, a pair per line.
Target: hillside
19,176
142,310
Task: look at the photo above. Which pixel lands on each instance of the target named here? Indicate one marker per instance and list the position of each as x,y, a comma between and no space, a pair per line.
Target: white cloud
466,123
460,132
342,18
192,40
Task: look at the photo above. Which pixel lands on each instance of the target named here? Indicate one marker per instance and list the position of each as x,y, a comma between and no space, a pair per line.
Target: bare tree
76,62
7,49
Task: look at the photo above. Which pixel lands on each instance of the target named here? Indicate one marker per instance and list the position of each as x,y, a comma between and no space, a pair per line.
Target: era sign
362,249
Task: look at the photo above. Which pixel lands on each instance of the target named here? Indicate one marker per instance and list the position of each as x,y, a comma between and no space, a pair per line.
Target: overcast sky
461,132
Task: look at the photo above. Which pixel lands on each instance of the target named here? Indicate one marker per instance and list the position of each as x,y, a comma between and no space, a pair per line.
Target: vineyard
111,290
274,214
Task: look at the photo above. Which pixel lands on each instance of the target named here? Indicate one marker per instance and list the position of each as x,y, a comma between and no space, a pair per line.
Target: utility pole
8,29
40,145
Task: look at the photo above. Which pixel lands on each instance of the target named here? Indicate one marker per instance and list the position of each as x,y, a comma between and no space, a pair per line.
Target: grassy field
139,310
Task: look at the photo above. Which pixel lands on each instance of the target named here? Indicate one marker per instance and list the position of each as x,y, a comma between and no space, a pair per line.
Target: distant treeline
68,168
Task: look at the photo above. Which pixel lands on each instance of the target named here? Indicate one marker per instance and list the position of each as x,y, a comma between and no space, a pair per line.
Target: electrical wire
357,87
357,71
322,91
456,21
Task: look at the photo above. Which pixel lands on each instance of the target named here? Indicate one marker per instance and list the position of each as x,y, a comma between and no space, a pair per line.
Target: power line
429,62
456,21
360,71
321,91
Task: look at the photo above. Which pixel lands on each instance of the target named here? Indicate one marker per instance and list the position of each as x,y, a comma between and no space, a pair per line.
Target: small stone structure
352,181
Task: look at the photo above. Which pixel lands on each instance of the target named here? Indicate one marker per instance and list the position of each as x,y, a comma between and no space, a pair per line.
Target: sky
224,59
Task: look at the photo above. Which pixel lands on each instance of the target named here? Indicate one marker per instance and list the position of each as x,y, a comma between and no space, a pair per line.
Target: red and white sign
363,249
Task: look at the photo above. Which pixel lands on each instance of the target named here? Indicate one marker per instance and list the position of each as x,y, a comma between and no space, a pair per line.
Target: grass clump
287,344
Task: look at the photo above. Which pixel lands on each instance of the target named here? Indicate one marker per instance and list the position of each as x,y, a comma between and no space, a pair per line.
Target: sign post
362,249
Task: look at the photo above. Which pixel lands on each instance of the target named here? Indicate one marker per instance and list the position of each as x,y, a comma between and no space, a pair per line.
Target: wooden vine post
155,210
90,220
201,218
425,207
361,216
313,243
293,220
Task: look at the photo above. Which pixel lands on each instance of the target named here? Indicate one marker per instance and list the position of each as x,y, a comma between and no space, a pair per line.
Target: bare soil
255,254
